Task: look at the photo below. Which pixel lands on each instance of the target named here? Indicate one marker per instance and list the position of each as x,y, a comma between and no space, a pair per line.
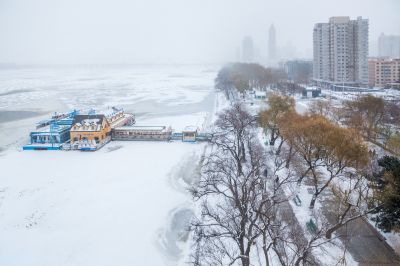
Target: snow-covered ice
101,208
125,204
150,92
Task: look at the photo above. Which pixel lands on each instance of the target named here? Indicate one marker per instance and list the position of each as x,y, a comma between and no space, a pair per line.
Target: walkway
366,245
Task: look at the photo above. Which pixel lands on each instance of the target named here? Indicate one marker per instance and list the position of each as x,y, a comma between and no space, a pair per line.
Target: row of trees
245,217
372,117
245,76
240,202
329,152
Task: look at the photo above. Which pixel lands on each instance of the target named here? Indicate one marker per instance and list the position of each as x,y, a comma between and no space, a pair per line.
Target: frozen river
123,205
29,94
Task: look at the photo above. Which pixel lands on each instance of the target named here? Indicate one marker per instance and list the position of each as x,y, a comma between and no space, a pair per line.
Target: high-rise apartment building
272,44
384,72
389,46
341,52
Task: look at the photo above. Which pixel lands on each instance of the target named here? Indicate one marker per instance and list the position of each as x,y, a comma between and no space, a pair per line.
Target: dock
92,130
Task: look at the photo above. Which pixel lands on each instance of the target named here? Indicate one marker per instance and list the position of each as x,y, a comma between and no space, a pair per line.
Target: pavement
285,212
366,245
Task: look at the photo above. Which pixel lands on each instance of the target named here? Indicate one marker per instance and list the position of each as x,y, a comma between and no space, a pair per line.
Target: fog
170,31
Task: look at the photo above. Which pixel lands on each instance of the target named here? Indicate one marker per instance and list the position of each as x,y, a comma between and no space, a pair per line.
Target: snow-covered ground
387,94
125,204
147,91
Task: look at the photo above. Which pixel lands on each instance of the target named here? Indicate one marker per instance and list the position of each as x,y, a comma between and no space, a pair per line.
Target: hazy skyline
174,31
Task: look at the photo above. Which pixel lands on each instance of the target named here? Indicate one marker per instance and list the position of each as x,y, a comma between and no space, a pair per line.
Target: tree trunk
243,153
245,260
266,256
273,138
278,151
300,259
312,203
289,157
331,230
265,250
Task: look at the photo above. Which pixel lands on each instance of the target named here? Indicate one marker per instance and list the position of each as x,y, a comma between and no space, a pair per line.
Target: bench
297,200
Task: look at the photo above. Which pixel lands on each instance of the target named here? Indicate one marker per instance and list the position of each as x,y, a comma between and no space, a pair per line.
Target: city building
51,134
247,50
389,46
299,71
340,49
384,72
260,95
50,137
90,132
161,133
272,56
116,117
189,134
311,92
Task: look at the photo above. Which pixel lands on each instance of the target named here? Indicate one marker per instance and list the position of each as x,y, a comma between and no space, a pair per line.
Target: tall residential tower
341,52
272,44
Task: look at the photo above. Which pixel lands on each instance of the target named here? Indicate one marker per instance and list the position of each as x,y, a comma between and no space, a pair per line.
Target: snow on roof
90,121
260,93
46,129
146,128
190,129
111,112
312,89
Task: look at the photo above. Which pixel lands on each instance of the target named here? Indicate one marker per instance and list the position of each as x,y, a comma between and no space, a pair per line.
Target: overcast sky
162,31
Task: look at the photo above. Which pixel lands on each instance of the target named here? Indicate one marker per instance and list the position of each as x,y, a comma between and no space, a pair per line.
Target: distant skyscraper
341,52
272,43
247,49
389,46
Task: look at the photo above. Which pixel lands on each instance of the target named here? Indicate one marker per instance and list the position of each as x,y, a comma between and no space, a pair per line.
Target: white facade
341,51
321,63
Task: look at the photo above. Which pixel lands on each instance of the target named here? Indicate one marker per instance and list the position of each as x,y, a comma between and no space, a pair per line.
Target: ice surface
147,91
125,204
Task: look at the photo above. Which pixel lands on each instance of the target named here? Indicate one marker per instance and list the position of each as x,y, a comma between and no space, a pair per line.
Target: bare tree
321,107
232,188
233,126
351,200
232,201
244,208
